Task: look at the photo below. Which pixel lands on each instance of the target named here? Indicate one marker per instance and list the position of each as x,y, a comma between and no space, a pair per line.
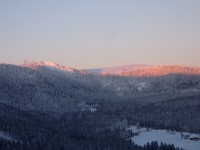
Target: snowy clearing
163,136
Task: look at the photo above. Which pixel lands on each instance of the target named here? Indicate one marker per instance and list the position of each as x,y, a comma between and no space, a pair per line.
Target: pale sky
100,33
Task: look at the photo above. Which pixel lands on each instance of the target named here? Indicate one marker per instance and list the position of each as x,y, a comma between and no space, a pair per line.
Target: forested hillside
162,70
48,106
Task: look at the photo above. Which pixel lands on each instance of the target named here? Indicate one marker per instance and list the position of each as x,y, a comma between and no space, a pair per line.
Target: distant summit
50,65
117,70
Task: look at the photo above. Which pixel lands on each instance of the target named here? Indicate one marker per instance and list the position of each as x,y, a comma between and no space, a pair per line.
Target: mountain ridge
163,70
135,70
141,70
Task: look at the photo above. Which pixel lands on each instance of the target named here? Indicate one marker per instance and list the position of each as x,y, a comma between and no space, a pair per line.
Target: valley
42,102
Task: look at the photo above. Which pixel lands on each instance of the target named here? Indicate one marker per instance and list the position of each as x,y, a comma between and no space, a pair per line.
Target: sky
100,33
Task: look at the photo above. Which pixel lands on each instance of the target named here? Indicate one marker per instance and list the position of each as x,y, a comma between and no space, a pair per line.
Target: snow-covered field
163,136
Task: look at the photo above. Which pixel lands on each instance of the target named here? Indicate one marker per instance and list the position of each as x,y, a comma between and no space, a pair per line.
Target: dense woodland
81,131
45,108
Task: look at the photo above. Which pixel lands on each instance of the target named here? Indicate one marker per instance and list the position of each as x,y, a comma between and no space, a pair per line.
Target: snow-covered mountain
117,70
52,66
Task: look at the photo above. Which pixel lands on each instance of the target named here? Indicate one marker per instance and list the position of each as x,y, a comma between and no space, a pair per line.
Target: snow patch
6,136
141,86
91,109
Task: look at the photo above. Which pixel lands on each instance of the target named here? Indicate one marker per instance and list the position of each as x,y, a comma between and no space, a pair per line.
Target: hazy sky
100,33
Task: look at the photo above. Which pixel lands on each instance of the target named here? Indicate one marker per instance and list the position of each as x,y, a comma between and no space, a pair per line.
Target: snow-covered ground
93,109
163,136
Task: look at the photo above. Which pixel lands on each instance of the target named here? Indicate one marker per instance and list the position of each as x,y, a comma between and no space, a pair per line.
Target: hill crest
162,70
